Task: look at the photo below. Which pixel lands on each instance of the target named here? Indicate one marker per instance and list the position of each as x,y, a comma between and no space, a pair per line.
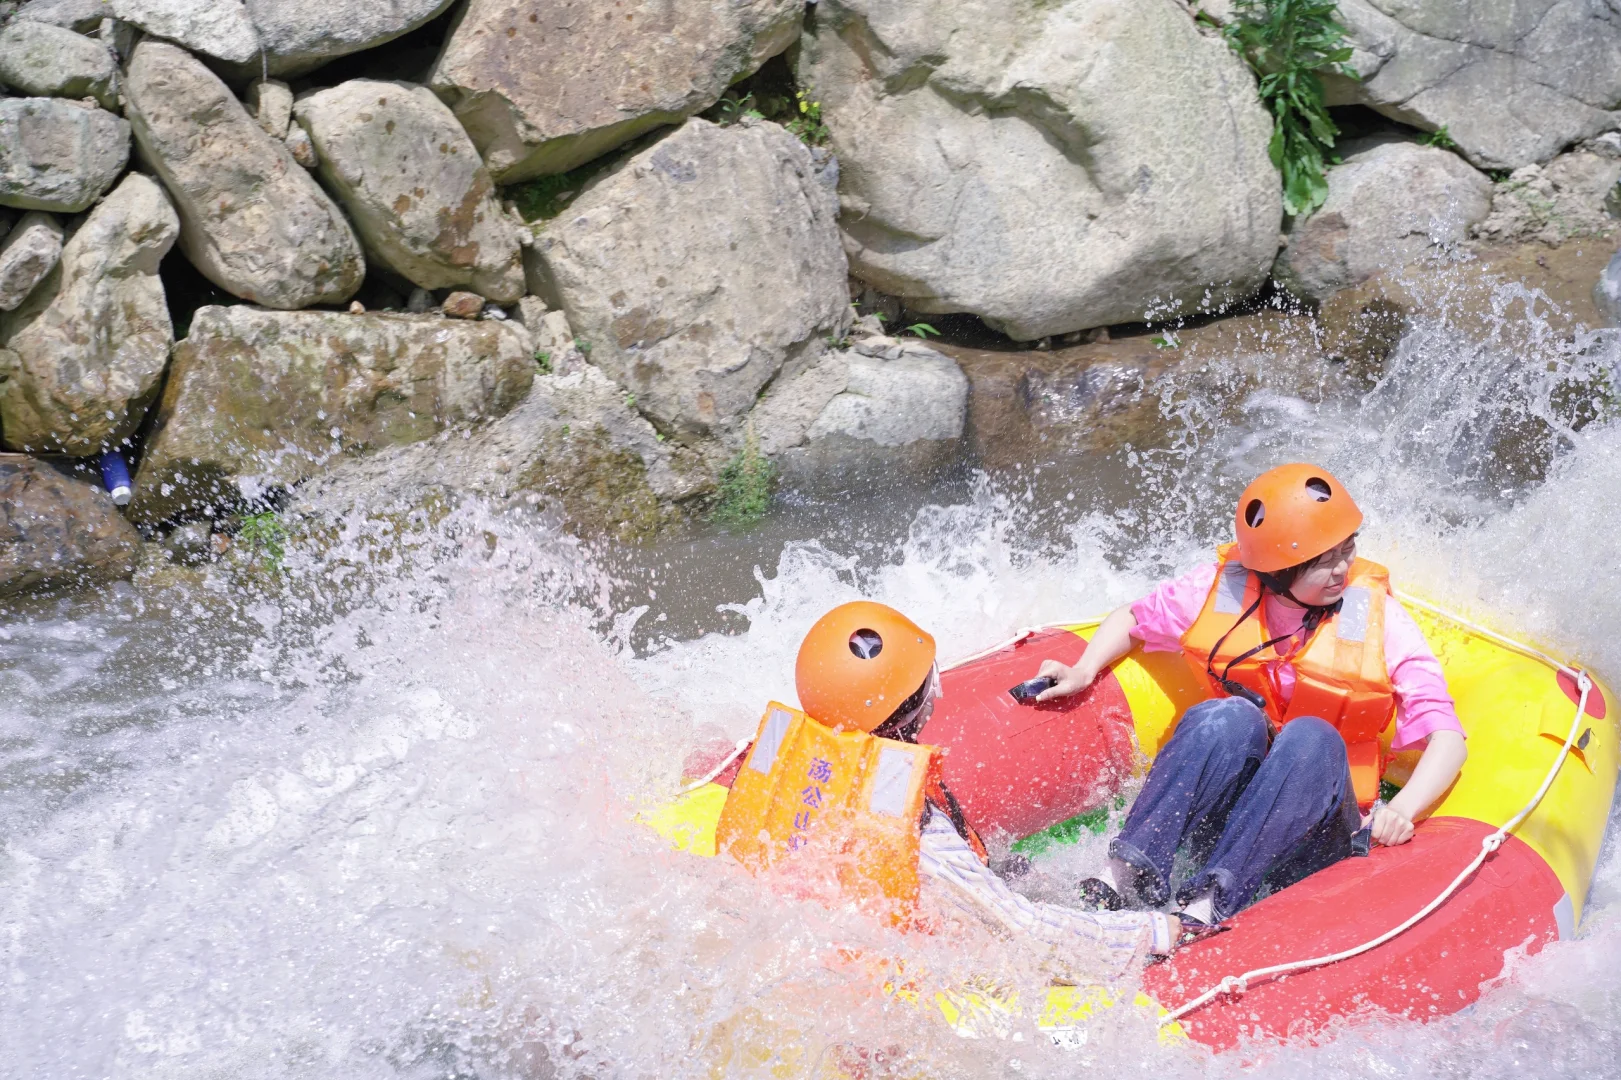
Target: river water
371,816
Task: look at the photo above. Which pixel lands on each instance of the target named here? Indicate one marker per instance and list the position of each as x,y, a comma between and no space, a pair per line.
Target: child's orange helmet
859,663
1292,514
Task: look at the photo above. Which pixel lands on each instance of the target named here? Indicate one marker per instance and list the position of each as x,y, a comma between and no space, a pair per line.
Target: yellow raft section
1514,712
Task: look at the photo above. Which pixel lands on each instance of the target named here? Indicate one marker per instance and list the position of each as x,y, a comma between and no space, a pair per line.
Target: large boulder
217,28
298,35
882,402
1048,166
1388,203
572,443
260,399
1607,292
699,267
414,186
58,155
1512,81
57,531
42,60
253,221
91,341
545,85
81,15
30,251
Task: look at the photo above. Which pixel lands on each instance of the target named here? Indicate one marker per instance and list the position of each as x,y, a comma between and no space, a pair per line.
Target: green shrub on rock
1286,43
743,494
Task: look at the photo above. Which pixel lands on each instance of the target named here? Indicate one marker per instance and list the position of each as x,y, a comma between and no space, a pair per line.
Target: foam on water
375,819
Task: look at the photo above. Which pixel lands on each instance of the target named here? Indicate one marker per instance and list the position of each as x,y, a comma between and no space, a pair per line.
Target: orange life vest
1340,672
845,796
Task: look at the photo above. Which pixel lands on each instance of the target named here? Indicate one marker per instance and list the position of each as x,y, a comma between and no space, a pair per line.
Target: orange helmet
1292,514
859,663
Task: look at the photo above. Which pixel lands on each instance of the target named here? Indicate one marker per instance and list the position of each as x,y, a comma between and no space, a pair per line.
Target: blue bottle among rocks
115,477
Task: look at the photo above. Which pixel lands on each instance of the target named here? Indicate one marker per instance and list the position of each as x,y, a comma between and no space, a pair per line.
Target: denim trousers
1249,814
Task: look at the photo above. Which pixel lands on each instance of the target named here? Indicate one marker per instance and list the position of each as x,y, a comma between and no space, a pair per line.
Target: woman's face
1324,579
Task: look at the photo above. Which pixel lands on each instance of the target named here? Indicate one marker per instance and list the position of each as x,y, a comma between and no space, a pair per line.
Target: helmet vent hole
1319,489
1254,513
866,644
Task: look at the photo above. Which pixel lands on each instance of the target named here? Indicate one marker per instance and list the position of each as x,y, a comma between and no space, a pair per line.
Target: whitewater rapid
373,817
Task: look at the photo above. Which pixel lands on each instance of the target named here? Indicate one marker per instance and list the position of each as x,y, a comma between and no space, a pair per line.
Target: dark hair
892,728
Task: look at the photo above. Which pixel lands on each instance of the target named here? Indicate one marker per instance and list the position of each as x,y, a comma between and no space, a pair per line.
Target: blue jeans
1249,815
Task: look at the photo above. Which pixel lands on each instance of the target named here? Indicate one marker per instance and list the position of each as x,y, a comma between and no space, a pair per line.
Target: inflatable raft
1533,724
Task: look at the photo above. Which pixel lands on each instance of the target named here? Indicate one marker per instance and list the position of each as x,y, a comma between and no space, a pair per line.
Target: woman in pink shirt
1257,789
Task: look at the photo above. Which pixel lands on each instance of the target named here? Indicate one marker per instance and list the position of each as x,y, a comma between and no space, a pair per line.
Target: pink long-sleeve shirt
1423,705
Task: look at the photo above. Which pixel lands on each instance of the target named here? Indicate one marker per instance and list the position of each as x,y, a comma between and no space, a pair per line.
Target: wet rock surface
424,205
253,221
1048,167
698,268
572,445
545,85
29,251
1388,203
41,60
56,531
90,342
1512,81
258,400
58,155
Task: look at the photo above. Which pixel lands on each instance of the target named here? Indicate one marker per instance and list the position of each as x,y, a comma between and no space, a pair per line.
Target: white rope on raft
737,751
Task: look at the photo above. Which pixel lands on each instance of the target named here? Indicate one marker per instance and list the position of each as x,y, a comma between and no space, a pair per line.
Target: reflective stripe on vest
1340,672
849,801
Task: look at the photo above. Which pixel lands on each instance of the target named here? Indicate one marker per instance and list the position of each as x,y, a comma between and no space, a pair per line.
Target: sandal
1099,895
1196,929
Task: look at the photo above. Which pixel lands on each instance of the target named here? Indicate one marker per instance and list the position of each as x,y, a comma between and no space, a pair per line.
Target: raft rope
726,762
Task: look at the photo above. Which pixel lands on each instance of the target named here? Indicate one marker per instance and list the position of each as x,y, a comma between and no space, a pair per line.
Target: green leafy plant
743,494
543,361
808,126
544,197
584,347
1286,43
922,330
1166,341
1439,138
265,537
730,109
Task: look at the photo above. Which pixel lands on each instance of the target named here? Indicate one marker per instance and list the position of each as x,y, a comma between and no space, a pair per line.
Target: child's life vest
1340,672
809,791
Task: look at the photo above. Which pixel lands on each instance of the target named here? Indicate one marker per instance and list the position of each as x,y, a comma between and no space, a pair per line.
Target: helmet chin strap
1315,613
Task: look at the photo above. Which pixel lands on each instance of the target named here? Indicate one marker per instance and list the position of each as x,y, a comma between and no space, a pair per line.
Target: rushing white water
373,818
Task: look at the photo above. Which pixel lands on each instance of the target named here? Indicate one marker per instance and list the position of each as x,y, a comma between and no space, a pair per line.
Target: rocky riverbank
276,254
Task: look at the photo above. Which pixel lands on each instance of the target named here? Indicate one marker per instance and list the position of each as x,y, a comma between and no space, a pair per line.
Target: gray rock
697,268
58,155
1049,165
1512,81
573,444
30,251
90,343
217,28
302,34
422,201
545,85
1388,203
271,103
1607,293
302,148
253,221
80,15
1567,198
264,399
42,60
884,401
55,531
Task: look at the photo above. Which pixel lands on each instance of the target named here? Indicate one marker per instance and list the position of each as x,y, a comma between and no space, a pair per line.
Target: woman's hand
1391,828
1071,680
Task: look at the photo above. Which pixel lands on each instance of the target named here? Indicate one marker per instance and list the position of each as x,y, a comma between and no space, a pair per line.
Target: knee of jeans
1231,720
1310,738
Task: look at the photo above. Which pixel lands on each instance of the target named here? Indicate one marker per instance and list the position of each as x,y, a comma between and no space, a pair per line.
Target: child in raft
1309,657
